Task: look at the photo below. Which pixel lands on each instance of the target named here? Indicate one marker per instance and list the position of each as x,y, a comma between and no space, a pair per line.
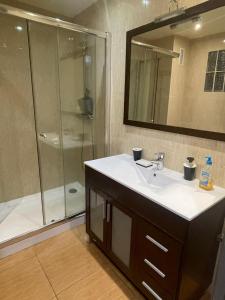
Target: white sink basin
166,187
154,179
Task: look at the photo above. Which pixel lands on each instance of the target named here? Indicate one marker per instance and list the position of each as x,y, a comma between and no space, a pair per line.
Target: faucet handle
160,156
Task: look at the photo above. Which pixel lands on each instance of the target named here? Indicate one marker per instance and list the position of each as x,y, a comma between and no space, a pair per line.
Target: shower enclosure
150,84
53,114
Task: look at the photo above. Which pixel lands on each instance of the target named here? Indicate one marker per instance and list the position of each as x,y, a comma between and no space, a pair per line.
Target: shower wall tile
117,17
44,62
72,88
18,150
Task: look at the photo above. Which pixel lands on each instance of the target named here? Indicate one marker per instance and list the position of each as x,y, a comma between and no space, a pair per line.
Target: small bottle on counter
206,181
189,168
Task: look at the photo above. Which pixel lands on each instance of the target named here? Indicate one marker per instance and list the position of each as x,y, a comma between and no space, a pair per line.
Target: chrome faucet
158,162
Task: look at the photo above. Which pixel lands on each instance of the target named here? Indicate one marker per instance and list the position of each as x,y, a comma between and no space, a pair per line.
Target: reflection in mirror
177,74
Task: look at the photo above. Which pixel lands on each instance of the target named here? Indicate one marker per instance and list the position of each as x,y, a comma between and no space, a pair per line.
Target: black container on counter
189,169
137,153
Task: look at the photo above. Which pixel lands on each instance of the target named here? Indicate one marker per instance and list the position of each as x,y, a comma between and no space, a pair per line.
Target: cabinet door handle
160,246
108,212
151,291
104,210
160,273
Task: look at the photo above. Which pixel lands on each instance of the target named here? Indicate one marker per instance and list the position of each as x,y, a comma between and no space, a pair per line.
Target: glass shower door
45,74
53,97
68,72
20,199
82,75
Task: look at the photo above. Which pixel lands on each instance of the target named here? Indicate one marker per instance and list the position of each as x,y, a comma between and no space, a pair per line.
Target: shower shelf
69,142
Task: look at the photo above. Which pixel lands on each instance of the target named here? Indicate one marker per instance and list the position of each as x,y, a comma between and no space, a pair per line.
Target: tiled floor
65,268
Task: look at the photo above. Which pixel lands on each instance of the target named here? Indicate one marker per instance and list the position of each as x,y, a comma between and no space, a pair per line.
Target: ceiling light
30,14
198,26
19,28
197,23
223,41
145,2
88,59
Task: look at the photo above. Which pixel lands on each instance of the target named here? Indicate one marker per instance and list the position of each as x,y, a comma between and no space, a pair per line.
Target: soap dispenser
206,181
189,169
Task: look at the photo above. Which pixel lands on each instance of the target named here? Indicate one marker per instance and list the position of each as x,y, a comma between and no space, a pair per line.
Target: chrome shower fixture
174,11
169,15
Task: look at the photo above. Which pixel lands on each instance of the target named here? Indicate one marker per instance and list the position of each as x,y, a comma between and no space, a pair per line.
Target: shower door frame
59,23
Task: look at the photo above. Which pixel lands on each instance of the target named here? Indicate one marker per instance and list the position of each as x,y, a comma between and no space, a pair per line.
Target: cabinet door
121,232
97,215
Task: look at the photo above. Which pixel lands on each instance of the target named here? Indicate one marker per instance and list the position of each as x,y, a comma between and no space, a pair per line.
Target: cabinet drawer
158,255
151,288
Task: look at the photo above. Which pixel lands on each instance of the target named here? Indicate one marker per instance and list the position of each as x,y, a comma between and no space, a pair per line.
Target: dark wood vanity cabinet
164,255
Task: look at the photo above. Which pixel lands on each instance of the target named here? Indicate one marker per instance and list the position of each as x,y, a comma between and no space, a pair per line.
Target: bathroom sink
165,187
154,179
159,181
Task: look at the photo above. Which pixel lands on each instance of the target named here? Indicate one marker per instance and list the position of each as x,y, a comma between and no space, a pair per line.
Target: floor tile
56,243
98,286
120,287
67,264
80,234
15,259
25,281
65,261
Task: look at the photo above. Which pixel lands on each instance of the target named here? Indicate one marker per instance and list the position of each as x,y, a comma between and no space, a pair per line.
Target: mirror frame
189,13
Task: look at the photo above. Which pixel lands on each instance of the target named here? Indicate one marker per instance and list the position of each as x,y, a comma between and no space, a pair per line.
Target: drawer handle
154,268
151,291
157,243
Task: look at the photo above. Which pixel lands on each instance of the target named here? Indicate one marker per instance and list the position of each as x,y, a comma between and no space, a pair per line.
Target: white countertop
167,189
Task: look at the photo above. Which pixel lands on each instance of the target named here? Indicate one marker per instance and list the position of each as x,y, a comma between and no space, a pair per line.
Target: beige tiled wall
117,17
201,104
44,64
18,150
190,105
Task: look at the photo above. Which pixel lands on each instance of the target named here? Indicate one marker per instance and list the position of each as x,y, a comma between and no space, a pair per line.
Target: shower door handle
43,135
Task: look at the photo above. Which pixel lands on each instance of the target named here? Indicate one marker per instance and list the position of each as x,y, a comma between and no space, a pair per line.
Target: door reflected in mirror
177,74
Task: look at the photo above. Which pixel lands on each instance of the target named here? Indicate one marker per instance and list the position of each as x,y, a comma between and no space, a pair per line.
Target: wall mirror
175,73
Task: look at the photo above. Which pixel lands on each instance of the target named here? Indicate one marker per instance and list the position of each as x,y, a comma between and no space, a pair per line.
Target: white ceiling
68,8
213,22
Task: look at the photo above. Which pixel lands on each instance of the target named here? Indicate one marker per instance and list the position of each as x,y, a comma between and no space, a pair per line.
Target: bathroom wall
19,174
117,17
177,109
198,102
81,67
44,62
190,105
